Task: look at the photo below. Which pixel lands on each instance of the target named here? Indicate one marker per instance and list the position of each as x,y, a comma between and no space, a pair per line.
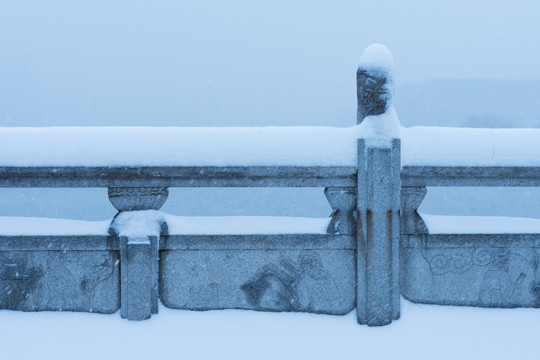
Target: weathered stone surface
488,270
258,242
411,199
86,281
378,235
374,94
470,176
179,176
343,203
138,256
138,198
319,281
138,235
374,82
57,242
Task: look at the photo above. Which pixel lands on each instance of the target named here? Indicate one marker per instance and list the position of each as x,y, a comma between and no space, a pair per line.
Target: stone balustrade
374,248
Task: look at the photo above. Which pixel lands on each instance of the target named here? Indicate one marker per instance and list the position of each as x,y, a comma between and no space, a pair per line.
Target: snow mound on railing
264,146
445,146
444,224
177,146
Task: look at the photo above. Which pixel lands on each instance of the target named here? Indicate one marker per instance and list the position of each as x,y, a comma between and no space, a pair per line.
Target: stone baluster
379,169
411,222
343,203
138,198
139,252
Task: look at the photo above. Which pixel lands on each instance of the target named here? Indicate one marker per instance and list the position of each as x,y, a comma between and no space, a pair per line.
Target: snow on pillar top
375,81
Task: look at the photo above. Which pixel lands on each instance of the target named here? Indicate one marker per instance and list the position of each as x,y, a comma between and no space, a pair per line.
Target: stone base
318,281
488,270
86,281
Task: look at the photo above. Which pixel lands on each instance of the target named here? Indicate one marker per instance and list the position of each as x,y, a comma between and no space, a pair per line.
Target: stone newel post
139,252
379,153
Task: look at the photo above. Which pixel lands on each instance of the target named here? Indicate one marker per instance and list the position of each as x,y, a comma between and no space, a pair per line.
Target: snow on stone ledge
245,225
148,223
141,223
442,224
445,146
177,146
264,146
32,226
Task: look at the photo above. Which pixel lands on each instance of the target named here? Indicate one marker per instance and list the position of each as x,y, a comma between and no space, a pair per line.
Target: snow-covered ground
423,332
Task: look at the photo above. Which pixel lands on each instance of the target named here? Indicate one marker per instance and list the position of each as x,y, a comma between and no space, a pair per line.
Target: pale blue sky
241,62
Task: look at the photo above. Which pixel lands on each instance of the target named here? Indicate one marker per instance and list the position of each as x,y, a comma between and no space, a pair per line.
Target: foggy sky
241,62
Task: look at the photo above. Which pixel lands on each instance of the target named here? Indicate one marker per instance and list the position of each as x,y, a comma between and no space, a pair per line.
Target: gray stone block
138,235
488,270
378,235
470,176
85,281
139,267
259,242
319,281
57,242
179,176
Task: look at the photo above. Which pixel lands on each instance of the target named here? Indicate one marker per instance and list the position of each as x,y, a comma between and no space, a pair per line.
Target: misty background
255,63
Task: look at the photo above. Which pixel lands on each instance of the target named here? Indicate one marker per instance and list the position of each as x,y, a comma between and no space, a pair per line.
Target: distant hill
470,103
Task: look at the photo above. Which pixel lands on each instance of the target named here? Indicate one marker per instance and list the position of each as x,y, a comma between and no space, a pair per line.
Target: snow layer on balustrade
445,146
141,223
33,226
442,224
179,146
265,146
145,223
245,225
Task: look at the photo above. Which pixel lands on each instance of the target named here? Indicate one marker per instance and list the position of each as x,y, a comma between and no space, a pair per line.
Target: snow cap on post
375,81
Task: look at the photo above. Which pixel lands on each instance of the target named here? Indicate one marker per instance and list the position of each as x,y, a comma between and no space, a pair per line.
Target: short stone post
136,270
379,185
139,252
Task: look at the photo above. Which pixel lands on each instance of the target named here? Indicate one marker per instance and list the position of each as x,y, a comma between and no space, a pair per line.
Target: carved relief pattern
122,191
57,280
292,286
269,280
503,277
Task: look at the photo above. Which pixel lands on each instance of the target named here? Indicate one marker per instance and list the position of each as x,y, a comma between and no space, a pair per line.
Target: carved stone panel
475,274
59,281
319,281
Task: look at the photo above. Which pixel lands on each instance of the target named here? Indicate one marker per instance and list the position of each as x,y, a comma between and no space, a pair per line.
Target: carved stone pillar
379,184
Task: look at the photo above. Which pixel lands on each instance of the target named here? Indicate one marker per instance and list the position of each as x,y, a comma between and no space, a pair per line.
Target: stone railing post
139,251
379,185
